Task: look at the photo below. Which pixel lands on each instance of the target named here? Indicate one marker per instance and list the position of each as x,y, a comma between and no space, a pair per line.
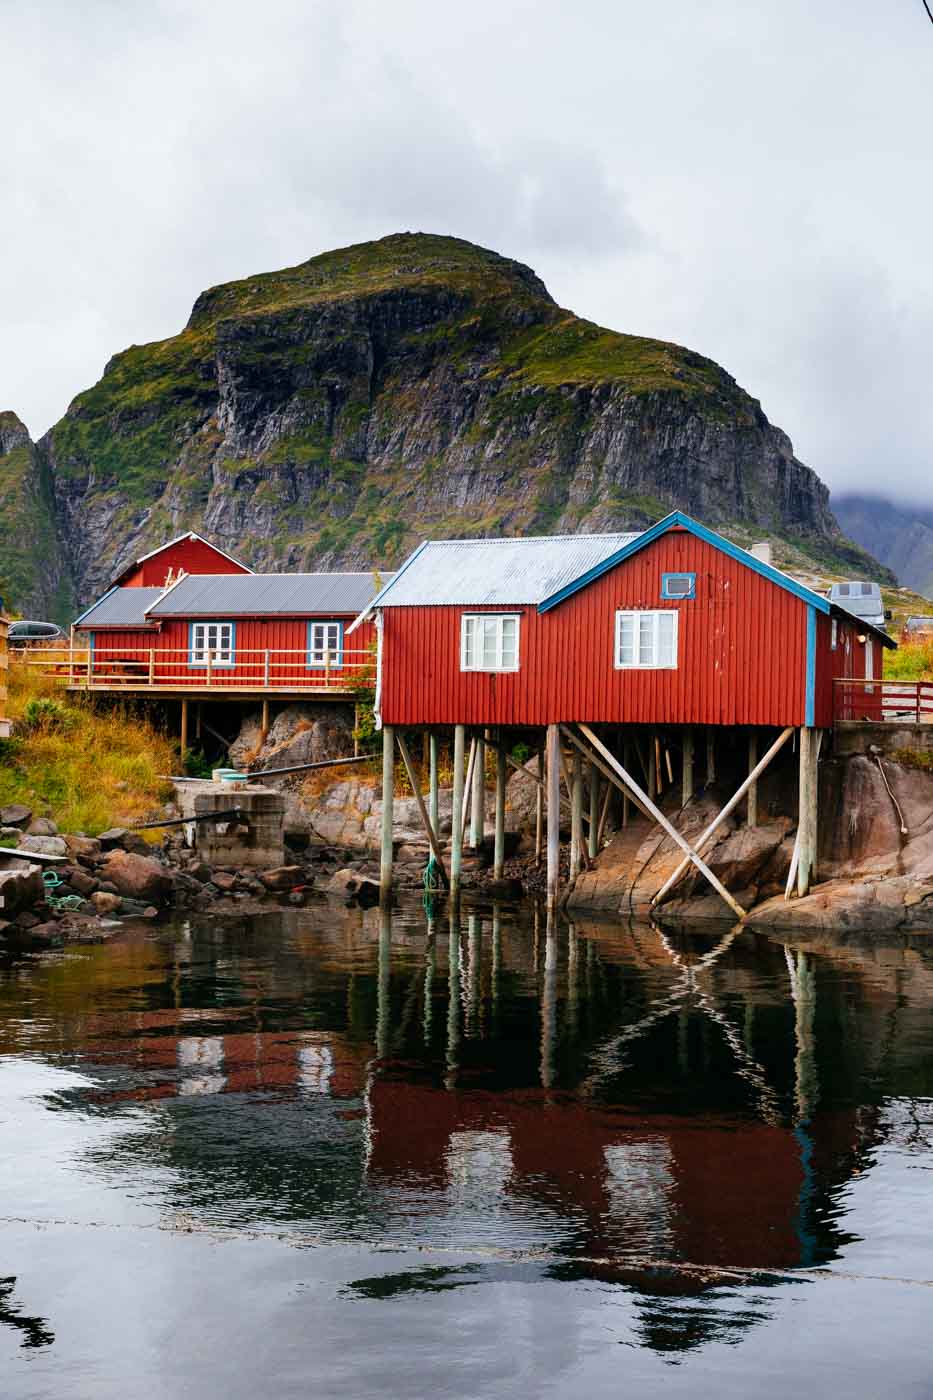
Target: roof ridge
532,539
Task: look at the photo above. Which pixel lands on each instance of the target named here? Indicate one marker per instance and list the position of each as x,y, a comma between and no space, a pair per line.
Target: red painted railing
886,702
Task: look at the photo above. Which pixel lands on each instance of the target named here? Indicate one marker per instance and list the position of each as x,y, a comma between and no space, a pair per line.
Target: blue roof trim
701,532
374,603
78,620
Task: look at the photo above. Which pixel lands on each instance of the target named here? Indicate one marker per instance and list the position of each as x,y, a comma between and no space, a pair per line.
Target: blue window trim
811,668
700,532
677,597
215,665
336,660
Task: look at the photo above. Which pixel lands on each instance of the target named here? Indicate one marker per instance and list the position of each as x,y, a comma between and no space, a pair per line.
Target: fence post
265,670
326,669
151,666
210,658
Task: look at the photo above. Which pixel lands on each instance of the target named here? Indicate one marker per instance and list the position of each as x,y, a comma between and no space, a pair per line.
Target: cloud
749,182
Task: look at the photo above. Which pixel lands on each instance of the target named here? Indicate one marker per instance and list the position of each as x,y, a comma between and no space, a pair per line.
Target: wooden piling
807,827
499,853
433,790
264,722
539,811
456,833
553,814
752,812
576,815
652,768
184,728
686,775
388,805
627,761
478,796
710,756
594,811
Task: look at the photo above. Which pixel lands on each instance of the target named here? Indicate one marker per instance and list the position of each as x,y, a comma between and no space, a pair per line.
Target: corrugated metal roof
472,573
121,607
260,595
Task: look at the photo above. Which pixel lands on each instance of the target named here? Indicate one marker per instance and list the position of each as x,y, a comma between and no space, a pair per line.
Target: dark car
24,633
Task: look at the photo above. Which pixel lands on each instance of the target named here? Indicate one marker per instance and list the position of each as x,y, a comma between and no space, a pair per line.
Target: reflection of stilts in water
549,1003
453,996
573,972
496,966
472,981
383,1009
806,1086
430,967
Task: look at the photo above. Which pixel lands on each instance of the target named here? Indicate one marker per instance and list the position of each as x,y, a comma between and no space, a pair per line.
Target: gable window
489,642
646,640
678,585
218,638
325,644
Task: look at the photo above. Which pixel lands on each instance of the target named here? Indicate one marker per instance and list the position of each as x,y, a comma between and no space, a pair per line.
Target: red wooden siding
193,556
844,662
742,653
127,647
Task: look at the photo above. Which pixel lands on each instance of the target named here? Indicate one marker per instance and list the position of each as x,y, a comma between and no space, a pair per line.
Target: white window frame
318,650
223,654
636,615
471,619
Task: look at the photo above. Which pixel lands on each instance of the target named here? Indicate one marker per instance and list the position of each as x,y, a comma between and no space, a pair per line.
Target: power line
928,10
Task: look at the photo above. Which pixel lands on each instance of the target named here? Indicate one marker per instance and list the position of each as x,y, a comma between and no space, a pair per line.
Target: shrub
41,712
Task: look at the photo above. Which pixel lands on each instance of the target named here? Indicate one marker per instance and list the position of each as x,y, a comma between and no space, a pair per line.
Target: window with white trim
489,641
214,637
325,644
646,640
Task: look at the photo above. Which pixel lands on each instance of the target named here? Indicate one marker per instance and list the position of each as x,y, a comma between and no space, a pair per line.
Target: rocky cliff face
34,572
900,536
335,413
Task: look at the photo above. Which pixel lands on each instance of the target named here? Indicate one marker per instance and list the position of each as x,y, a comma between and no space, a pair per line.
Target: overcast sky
750,179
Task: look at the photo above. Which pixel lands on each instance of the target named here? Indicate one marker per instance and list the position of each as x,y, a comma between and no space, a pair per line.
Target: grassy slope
28,543
99,769
150,416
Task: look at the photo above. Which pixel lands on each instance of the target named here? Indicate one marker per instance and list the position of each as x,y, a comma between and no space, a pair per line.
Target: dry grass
87,769
913,661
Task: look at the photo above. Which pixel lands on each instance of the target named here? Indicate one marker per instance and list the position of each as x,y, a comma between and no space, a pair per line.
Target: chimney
762,551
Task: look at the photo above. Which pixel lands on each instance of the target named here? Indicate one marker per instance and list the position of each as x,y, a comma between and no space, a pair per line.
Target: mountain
34,573
334,413
900,536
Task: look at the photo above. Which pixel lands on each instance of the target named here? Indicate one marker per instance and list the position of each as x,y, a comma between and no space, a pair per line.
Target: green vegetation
87,769
912,661
31,573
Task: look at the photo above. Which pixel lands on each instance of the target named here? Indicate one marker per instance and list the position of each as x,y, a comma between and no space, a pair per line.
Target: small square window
678,585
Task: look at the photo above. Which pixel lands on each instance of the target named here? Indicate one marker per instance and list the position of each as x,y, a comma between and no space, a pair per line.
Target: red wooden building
675,627
189,554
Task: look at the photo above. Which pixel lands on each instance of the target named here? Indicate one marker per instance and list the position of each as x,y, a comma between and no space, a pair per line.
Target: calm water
322,1153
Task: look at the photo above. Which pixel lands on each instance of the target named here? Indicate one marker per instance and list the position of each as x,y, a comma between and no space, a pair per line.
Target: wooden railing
883,701
163,668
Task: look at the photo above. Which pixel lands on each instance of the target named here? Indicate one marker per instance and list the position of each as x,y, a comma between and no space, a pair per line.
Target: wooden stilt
433,791
467,802
456,834
553,814
730,806
264,722
627,760
478,795
594,811
576,815
197,720
686,775
539,811
652,767
662,820
607,798
430,830
807,826
710,756
184,727
498,869
752,815
388,812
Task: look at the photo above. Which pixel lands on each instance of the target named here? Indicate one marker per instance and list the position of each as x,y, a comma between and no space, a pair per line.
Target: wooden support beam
388,812
430,830
433,789
710,755
752,813
478,793
605,769
594,811
652,767
553,814
539,810
730,806
264,722
456,834
184,727
686,774
467,799
662,820
498,869
197,719
576,815
627,761
807,825
607,798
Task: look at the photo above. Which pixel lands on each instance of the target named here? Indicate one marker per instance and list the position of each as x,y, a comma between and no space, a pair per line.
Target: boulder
871,904
282,877
42,826
87,849
15,814
106,903
351,884
138,877
10,835
43,845
82,883
224,881
120,838
19,889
